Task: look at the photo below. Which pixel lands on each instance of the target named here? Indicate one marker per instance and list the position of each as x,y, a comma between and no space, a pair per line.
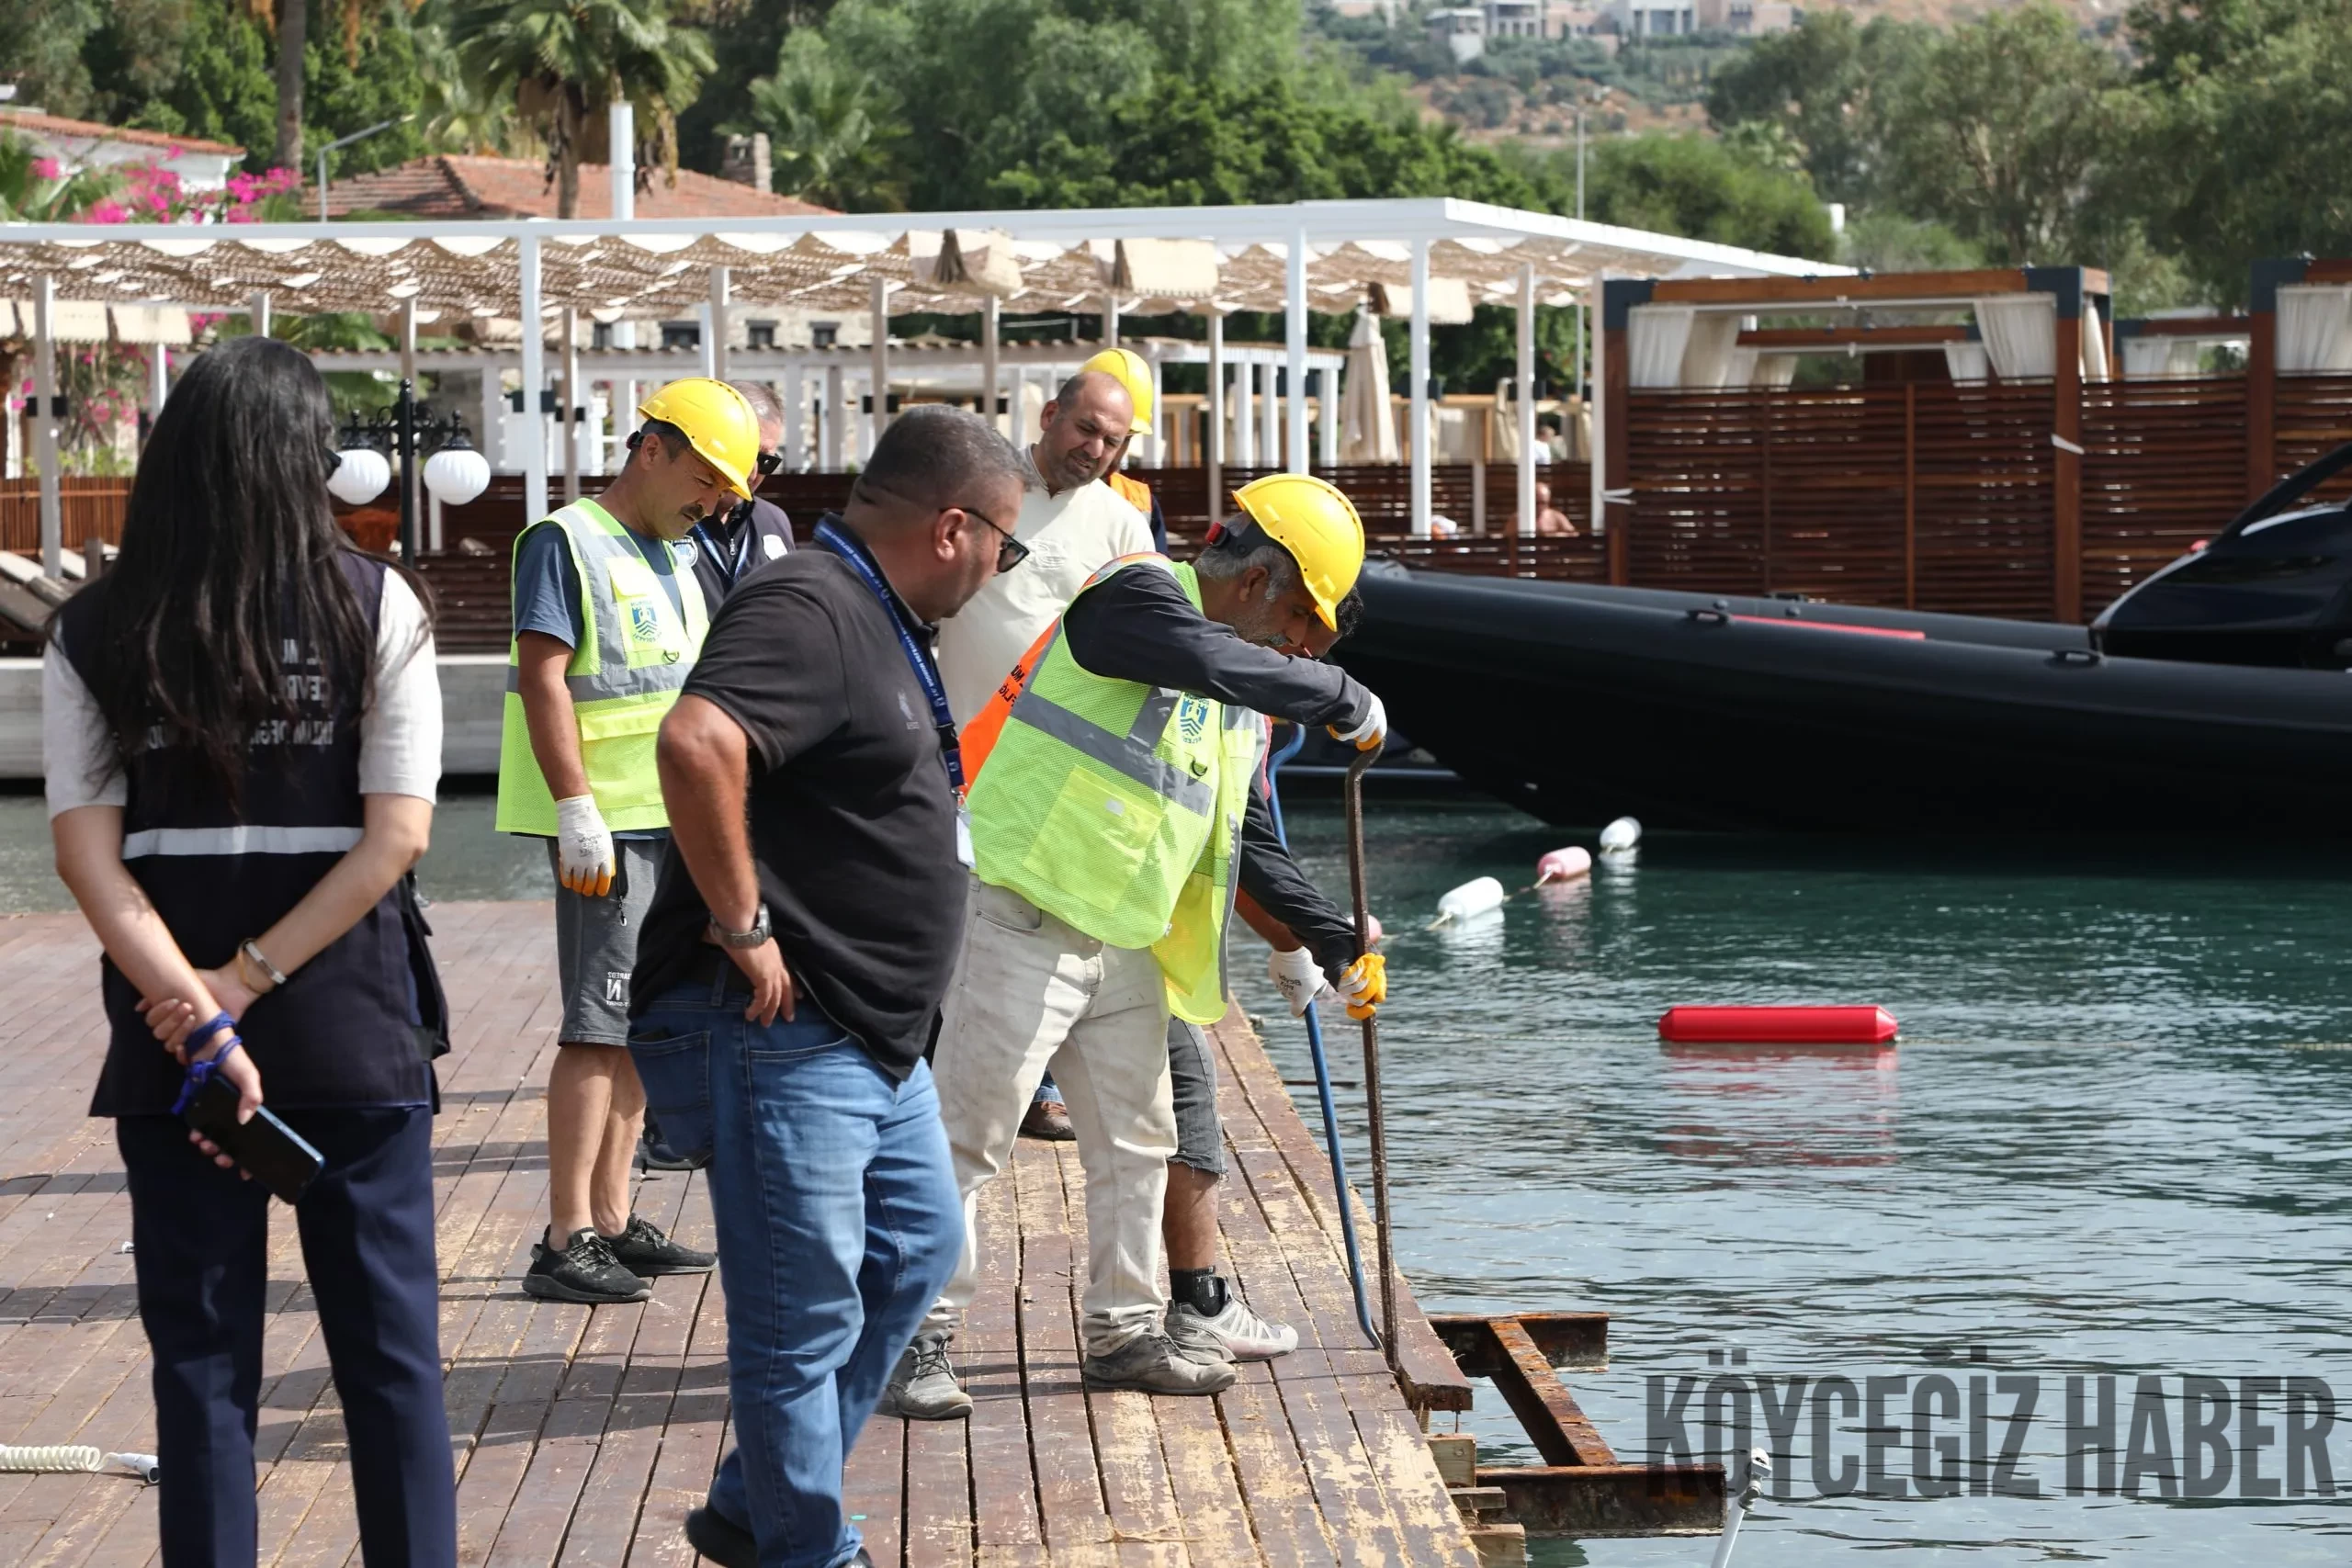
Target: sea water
2113,1144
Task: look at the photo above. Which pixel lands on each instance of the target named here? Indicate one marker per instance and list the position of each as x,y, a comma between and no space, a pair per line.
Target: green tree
832,129
1181,143
2243,134
566,61
1818,83
2006,132
1700,189
362,78
41,41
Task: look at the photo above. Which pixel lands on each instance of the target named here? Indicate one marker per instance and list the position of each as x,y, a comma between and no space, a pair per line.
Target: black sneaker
586,1270
652,1154
720,1540
643,1251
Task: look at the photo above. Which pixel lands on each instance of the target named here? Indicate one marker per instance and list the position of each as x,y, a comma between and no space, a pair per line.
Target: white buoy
1373,932
1470,900
1620,835
1563,865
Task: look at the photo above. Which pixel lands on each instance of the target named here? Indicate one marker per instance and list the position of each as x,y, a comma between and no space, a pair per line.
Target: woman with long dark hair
242,725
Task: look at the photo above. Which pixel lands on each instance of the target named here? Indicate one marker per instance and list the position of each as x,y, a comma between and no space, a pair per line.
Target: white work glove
1372,732
584,846
1297,976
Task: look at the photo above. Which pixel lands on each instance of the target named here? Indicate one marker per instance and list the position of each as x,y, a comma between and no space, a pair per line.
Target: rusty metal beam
1566,1338
1610,1499
1561,1432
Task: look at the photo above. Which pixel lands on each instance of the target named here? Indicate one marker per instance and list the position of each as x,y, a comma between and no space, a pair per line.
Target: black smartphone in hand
272,1153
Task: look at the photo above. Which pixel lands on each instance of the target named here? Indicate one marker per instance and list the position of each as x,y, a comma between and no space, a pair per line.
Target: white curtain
1656,336
2094,343
2021,333
2315,327
1774,370
1966,361
1367,428
2151,356
1502,426
1708,352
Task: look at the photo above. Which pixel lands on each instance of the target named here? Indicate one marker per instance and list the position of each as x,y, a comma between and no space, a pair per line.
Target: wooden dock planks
584,1436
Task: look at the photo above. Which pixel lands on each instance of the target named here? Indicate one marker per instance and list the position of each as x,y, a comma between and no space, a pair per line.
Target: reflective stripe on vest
623,679
1117,806
242,839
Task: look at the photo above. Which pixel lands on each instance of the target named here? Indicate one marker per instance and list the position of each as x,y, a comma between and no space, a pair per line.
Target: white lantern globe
457,476
361,477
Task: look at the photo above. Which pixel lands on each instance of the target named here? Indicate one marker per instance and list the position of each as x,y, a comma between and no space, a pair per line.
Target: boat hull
1580,704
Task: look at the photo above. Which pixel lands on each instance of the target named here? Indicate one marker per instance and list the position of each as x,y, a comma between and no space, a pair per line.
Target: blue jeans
838,1225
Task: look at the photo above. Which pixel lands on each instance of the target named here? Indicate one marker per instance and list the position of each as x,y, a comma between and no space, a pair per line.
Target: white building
80,144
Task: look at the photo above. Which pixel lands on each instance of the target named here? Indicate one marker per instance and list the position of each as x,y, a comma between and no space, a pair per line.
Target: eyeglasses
1010,551
768,463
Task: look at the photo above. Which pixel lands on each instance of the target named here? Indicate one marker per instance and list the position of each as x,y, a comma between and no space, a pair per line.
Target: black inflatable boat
2213,698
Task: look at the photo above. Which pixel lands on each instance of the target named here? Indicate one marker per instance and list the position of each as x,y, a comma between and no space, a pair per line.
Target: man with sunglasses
731,546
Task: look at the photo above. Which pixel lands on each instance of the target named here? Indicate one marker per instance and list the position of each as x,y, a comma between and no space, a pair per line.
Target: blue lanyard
730,562
918,656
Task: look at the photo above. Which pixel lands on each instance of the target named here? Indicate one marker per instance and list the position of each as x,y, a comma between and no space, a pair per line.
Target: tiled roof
57,124
453,186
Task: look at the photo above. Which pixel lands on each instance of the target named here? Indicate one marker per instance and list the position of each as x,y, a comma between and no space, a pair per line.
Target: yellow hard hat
1318,526
718,421
1127,367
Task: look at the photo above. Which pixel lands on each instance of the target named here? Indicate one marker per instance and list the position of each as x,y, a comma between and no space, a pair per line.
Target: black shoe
586,1270
643,1251
1047,1120
652,1154
714,1536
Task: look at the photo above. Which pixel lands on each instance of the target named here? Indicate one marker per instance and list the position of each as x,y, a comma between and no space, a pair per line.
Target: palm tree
835,136
565,63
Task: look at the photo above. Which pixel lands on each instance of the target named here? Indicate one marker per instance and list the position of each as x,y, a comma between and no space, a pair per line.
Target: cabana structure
1297,258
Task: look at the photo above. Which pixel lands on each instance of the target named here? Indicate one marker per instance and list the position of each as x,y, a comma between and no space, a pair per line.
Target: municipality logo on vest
1192,718
644,621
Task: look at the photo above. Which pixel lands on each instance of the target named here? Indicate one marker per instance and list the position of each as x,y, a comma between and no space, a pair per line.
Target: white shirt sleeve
76,750
400,735
1131,531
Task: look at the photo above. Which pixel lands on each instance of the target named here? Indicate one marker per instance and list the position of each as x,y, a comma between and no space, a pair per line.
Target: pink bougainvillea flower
48,169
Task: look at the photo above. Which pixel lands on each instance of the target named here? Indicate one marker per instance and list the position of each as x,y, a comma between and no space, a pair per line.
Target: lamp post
455,472
341,141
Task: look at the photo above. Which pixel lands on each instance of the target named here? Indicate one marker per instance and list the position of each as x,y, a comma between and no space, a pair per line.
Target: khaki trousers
1030,991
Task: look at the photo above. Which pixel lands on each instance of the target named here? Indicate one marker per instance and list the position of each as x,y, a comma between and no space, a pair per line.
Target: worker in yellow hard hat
607,621
1114,818
1131,370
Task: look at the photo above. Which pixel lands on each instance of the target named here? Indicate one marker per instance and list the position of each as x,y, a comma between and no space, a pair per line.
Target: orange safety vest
978,738
1134,492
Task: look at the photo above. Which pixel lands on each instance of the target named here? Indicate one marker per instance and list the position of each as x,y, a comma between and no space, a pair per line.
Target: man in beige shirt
1074,525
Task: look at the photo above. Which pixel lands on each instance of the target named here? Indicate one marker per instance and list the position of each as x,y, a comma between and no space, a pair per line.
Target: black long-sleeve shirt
1138,626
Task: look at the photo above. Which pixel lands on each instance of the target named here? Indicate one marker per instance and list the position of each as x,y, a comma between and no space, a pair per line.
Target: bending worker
607,625
1111,783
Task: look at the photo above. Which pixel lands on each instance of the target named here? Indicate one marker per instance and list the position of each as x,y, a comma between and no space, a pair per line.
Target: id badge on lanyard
934,691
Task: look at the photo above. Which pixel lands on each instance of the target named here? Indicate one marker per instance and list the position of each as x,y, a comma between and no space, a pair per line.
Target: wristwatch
760,931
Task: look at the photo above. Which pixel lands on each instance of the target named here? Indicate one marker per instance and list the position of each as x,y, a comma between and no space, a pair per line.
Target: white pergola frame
1552,260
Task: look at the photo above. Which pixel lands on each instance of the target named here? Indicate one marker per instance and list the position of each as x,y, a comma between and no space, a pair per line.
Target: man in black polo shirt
796,954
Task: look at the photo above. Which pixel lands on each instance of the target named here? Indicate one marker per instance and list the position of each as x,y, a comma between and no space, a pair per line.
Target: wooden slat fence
92,504
2163,466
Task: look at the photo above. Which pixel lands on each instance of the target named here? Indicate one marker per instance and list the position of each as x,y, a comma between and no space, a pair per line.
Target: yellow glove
1365,985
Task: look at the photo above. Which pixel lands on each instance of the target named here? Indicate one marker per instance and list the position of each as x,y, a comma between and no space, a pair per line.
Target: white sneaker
1245,1336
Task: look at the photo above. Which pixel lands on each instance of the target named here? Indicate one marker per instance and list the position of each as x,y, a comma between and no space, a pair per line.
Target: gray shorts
1192,1069
595,943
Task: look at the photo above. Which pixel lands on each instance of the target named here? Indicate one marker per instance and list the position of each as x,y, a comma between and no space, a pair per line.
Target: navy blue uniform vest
349,1028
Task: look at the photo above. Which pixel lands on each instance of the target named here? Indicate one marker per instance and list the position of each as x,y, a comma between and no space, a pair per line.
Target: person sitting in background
1550,519
241,724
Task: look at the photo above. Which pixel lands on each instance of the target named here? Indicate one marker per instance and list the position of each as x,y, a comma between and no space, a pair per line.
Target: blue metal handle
1288,750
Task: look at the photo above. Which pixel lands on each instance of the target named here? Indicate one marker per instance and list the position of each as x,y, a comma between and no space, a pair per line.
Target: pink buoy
1777,1026
1563,865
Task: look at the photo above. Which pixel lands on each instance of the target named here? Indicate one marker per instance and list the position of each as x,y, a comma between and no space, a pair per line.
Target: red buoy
1778,1026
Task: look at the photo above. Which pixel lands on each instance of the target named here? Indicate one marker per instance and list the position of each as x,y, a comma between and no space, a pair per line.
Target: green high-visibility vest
623,678
1117,807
